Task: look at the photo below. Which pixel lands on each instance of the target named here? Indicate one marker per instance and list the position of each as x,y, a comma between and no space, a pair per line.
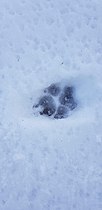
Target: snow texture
49,164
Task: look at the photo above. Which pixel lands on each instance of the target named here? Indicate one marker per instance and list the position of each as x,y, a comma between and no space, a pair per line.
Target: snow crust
48,164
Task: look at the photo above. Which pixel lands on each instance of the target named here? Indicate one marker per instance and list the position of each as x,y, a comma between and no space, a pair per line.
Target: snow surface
48,164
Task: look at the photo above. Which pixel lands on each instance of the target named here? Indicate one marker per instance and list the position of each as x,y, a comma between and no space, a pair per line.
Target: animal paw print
57,101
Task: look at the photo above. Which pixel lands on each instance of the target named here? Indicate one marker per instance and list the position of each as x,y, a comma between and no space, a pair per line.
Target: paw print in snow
57,101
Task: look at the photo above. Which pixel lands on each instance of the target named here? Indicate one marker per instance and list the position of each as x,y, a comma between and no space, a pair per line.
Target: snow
48,164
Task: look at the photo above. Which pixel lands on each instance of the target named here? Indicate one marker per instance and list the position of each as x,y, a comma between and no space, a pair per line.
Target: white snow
48,164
